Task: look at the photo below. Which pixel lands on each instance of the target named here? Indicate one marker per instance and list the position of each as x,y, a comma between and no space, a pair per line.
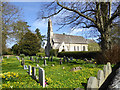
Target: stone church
64,42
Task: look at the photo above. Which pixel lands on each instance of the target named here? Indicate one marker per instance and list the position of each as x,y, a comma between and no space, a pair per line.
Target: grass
56,76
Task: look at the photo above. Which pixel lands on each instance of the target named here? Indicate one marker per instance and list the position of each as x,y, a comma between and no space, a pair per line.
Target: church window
78,48
74,48
83,48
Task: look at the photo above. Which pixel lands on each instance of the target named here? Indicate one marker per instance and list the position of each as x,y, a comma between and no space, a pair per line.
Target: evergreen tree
29,44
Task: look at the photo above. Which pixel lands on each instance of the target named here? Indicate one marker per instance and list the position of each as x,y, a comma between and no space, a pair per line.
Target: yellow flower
8,72
14,74
8,76
3,76
95,62
6,79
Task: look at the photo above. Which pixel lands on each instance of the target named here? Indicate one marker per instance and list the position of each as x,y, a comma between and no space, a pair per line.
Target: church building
64,42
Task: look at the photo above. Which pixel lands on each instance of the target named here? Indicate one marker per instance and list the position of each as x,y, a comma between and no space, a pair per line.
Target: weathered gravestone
42,77
45,63
64,59
85,59
92,83
48,58
22,62
105,71
60,61
52,59
71,58
29,70
76,69
25,67
33,72
100,77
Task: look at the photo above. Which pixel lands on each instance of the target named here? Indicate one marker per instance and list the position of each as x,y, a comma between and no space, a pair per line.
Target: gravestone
53,65
60,61
42,77
37,65
33,72
76,59
92,83
48,58
45,63
105,71
67,59
29,70
85,59
100,77
76,69
64,59
71,58
109,69
52,59
22,62
25,67
32,59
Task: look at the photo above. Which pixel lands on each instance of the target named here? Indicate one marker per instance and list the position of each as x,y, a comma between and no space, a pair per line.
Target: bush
53,52
40,54
79,54
22,55
112,56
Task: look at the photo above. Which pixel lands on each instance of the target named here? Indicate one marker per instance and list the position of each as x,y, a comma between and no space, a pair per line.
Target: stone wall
102,75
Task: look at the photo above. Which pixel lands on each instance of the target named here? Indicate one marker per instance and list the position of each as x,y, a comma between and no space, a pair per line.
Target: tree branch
53,14
77,12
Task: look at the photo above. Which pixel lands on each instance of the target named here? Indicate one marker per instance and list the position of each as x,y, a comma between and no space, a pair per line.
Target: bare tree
99,15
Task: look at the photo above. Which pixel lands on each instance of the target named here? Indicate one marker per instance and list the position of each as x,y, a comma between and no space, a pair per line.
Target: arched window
83,48
74,48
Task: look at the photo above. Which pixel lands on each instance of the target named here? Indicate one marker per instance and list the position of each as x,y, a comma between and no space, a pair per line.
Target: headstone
92,83
53,65
29,70
71,58
64,59
25,67
109,69
48,58
45,63
32,59
67,59
85,59
42,77
60,61
37,65
22,62
105,71
52,59
100,77
76,59
33,72
63,67
76,69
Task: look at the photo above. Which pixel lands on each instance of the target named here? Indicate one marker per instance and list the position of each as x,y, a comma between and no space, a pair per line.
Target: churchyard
58,72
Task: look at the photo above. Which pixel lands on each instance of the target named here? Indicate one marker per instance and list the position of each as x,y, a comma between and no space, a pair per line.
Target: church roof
69,39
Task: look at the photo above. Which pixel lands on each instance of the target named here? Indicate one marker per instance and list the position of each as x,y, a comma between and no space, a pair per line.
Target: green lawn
57,76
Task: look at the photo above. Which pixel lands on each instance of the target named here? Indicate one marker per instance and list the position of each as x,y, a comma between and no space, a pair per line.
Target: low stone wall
94,82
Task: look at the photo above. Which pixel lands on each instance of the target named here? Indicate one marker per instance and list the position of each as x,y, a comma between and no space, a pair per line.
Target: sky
29,14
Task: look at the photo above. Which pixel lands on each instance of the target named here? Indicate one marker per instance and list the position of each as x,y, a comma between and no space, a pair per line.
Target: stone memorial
33,72
109,69
92,83
100,77
29,70
25,67
45,63
42,77
76,69
60,61
52,59
105,71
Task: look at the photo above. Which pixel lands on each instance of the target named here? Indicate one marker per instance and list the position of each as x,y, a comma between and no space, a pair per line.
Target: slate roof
69,39
91,41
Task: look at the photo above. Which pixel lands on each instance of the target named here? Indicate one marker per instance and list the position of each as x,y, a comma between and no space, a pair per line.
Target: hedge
80,54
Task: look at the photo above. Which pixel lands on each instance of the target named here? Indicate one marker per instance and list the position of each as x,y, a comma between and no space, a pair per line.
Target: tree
97,15
29,44
15,49
40,37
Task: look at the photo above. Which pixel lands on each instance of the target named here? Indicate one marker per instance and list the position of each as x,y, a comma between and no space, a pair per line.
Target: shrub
40,54
79,54
53,52
112,56
22,55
